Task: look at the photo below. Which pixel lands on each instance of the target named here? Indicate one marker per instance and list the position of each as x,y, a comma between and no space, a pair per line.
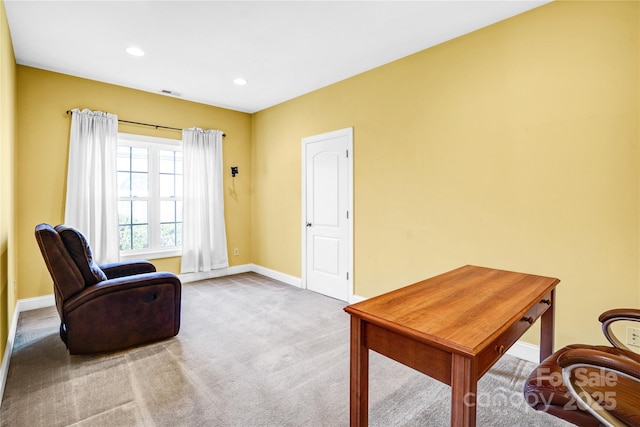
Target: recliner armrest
127,268
121,284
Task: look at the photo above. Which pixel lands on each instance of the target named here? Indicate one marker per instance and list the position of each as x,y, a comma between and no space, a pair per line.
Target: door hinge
347,275
347,214
347,153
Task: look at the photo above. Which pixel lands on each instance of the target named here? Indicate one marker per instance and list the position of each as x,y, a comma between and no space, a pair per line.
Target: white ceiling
196,48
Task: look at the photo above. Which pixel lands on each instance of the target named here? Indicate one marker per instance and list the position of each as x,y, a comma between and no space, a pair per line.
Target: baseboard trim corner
356,298
238,269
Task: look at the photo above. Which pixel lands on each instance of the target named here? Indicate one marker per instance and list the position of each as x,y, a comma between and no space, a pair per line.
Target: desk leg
359,375
464,388
547,329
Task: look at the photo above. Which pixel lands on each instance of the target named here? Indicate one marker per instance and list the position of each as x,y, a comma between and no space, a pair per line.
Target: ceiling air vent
169,92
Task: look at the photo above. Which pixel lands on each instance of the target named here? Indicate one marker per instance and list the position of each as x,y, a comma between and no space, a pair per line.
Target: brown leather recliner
590,385
108,307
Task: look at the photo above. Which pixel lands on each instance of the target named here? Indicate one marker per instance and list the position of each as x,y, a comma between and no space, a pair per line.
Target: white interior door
327,216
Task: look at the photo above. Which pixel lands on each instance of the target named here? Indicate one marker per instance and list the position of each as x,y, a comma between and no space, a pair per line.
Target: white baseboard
245,268
220,272
356,298
22,305
35,303
524,350
4,369
276,275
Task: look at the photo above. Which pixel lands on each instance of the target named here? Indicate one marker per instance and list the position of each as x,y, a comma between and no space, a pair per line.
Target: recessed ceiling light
135,51
240,81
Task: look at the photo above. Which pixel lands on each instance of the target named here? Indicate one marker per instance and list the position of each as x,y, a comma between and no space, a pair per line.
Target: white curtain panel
204,239
92,193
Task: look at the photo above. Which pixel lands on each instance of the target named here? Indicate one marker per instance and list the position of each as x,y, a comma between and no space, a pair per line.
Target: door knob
308,224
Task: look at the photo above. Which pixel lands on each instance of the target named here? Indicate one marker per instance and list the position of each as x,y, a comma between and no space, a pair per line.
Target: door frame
348,132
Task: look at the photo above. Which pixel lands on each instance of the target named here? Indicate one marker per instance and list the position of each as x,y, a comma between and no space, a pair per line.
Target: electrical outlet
236,252
633,336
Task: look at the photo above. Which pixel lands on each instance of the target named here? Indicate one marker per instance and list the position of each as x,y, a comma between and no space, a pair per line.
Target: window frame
154,145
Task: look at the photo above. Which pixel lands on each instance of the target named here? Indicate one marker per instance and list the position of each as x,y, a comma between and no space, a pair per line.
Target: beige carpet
251,352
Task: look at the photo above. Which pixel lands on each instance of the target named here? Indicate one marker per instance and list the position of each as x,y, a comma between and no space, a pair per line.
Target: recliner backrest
66,276
80,252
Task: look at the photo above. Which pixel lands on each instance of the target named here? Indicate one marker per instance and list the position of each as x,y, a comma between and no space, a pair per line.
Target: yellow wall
514,147
43,128
7,179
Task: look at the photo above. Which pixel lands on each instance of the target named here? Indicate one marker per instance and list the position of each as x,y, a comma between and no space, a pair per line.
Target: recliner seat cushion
80,252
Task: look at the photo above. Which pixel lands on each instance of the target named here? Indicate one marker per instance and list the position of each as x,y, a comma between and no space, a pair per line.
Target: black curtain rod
147,124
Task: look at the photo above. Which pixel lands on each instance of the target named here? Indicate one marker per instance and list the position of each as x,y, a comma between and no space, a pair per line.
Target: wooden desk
452,327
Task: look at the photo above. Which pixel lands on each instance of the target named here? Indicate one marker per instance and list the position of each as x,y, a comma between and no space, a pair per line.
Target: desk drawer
504,341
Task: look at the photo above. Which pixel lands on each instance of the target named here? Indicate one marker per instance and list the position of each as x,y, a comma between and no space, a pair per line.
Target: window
149,196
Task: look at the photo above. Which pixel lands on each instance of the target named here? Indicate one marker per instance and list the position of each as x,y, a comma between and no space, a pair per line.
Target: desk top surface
463,308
